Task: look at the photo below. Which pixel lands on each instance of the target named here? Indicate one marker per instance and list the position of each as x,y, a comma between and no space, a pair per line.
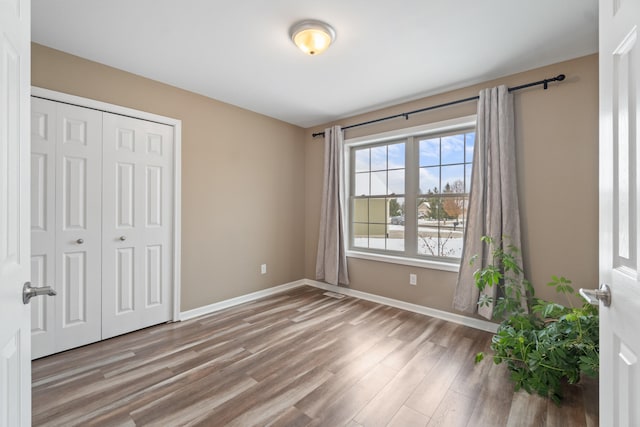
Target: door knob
594,296
80,241
28,292
123,238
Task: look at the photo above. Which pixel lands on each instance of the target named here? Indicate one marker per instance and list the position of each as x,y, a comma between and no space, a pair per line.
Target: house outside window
409,193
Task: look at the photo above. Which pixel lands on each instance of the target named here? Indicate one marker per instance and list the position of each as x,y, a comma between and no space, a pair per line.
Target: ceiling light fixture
312,37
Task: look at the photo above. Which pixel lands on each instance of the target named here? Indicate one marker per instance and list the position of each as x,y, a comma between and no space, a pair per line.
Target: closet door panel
124,286
78,226
125,191
153,276
43,232
102,204
137,195
153,196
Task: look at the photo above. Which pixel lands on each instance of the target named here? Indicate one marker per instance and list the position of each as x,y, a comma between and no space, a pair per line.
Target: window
443,193
408,194
378,198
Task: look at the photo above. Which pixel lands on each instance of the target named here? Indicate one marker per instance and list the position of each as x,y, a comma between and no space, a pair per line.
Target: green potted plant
542,343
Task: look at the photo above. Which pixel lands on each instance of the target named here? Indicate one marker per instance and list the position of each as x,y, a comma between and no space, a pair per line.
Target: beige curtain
331,262
493,199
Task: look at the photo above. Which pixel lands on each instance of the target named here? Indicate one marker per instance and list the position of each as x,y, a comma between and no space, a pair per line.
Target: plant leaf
547,347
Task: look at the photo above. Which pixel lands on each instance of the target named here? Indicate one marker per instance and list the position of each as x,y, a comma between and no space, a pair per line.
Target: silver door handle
594,296
28,292
123,238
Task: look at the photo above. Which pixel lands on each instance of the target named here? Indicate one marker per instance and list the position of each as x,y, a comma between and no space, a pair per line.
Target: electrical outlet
263,269
413,279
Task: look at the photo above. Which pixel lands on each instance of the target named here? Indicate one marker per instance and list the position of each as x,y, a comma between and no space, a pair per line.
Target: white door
66,177
619,212
43,224
137,217
15,347
78,225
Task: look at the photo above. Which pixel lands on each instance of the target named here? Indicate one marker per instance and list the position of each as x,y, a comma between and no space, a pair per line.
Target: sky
380,170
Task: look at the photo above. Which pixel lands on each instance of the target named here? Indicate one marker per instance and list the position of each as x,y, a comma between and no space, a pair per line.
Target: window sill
414,262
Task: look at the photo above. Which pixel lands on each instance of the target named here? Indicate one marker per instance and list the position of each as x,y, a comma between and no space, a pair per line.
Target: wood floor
295,359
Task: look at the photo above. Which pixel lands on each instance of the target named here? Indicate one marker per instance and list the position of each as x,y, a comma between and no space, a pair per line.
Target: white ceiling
386,51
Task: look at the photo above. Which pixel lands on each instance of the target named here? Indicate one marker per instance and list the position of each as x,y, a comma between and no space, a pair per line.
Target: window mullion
348,199
411,191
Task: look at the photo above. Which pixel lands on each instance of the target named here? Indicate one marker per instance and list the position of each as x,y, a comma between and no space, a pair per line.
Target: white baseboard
439,314
212,308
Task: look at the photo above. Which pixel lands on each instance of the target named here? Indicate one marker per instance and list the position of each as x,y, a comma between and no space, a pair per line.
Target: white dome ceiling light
312,37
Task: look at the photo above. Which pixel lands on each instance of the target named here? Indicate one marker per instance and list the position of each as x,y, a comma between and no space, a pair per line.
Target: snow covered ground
426,246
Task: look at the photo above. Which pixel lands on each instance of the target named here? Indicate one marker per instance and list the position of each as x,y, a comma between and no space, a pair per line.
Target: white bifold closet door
101,213
137,198
66,178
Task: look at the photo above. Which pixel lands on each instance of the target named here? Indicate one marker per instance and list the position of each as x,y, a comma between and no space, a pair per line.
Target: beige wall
242,178
251,185
557,159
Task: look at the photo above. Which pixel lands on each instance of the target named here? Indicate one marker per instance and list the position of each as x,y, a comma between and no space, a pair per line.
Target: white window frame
452,125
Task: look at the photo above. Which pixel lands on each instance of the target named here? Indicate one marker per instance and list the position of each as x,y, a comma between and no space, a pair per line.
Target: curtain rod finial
560,77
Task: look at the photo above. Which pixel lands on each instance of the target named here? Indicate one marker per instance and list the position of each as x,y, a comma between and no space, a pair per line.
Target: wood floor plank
259,395
494,399
184,408
167,397
89,399
572,413
291,363
71,366
359,343
68,379
447,334
385,405
342,410
280,310
371,309
316,401
265,412
299,358
207,383
410,329
432,390
472,377
454,411
408,417
527,411
292,417
401,356
590,401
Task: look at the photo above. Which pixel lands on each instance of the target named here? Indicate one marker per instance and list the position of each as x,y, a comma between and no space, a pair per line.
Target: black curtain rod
545,83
